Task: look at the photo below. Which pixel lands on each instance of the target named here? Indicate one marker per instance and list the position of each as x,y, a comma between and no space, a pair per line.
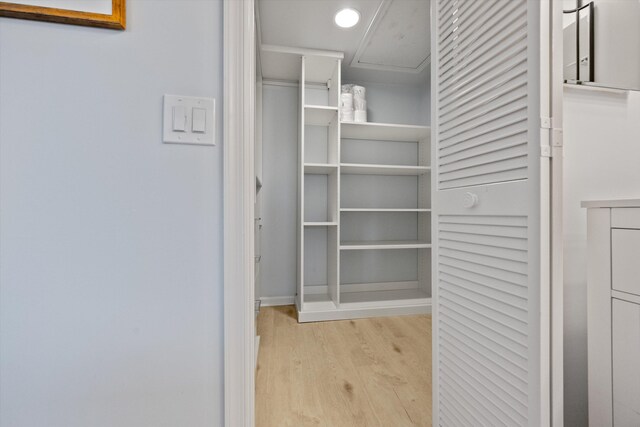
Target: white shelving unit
364,219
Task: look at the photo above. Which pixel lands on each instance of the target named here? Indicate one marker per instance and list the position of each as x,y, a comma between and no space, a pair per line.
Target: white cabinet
626,362
614,312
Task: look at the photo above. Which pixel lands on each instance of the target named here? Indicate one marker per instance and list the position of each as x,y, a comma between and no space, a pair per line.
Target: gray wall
280,191
390,103
602,150
398,103
111,242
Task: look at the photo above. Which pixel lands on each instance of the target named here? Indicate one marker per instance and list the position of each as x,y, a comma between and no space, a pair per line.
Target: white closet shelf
319,224
283,63
384,244
364,169
384,132
384,210
319,115
320,168
397,297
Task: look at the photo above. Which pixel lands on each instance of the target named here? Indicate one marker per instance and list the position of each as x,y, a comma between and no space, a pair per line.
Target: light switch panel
189,120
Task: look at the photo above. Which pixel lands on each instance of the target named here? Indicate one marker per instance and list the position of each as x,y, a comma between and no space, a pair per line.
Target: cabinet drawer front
626,369
625,217
625,260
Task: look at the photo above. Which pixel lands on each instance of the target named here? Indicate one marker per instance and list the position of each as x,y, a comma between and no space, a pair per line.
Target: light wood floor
368,372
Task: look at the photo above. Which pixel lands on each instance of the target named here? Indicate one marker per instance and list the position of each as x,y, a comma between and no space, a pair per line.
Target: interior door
491,125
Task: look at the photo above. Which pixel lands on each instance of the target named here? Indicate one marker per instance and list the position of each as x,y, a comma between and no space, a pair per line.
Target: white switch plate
188,136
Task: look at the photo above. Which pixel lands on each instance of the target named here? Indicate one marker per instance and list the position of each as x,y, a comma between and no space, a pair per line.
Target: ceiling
390,44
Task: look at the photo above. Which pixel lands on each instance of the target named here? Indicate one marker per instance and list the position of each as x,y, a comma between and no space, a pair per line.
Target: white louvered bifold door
491,243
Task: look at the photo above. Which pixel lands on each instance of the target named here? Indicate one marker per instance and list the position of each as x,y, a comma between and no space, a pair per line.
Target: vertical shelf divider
424,218
333,155
300,291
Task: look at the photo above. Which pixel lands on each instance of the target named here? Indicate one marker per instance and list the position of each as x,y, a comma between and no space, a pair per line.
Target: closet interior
361,187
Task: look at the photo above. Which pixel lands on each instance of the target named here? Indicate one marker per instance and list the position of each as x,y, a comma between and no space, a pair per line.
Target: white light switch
199,121
189,120
179,119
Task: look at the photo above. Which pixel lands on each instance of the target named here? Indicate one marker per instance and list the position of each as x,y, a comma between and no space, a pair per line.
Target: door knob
470,200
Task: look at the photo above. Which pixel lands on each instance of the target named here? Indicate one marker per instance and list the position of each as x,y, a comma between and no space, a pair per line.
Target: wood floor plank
364,372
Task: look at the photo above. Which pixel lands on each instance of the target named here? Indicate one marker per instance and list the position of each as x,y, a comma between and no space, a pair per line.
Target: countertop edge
619,203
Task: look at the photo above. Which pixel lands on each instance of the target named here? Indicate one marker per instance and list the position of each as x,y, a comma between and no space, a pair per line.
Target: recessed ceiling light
347,18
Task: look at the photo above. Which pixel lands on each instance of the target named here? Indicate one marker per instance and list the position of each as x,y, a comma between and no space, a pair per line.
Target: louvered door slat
497,112
512,333
467,12
494,252
470,114
471,12
489,241
500,38
486,158
467,385
482,28
489,148
484,89
506,288
484,380
469,350
504,38
502,221
488,133
482,104
484,343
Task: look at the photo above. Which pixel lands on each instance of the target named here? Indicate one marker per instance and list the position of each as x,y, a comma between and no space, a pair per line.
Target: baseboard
362,313
276,301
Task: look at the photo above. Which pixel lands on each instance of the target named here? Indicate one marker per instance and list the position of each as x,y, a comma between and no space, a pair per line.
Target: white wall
111,242
602,154
391,103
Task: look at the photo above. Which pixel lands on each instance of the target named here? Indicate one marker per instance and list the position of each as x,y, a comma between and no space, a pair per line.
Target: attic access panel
398,39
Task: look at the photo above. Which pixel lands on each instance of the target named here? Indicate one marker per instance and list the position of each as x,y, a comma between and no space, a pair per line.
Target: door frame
238,207
239,93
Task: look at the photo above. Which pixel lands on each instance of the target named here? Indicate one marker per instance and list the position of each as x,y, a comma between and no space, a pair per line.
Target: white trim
239,196
557,218
277,301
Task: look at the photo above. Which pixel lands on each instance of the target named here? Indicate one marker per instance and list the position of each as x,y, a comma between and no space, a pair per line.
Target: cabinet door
626,364
625,245
491,84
